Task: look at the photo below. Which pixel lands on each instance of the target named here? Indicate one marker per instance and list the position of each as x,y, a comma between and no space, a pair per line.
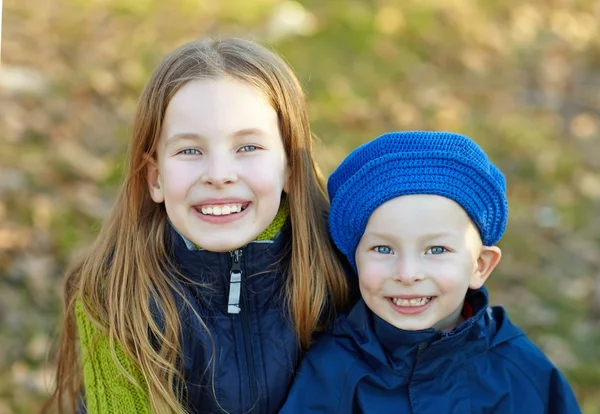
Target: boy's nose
409,272
219,171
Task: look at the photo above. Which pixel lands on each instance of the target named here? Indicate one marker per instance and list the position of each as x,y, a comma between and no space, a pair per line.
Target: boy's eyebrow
237,134
436,235
378,234
440,234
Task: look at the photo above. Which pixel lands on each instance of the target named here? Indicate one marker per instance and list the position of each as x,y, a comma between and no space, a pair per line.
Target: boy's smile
411,305
416,259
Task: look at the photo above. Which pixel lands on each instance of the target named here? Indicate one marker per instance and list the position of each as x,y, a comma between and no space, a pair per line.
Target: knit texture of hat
400,163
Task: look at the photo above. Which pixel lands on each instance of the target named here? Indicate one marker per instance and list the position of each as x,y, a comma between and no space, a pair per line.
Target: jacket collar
205,266
400,350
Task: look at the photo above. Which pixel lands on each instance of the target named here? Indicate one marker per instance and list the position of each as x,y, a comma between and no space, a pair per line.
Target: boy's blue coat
485,365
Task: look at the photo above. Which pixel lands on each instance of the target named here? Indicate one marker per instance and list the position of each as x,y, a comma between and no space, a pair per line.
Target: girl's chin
219,246
221,241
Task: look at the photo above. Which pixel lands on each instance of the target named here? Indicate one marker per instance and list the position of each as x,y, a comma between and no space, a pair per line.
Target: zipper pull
235,283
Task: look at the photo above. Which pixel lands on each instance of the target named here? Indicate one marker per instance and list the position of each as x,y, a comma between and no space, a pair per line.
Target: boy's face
416,259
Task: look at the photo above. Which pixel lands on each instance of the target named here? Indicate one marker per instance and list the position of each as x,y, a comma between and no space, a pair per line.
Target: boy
418,214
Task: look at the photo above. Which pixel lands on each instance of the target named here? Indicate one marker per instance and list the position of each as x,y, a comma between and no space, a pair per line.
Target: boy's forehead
419,202
419,213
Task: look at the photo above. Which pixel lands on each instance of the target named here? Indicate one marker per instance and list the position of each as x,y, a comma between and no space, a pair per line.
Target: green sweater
107,389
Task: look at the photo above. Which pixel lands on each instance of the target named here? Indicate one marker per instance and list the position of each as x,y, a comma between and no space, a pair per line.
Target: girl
214,268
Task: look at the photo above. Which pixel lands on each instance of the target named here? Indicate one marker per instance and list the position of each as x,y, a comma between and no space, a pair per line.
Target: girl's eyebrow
247,131
183,136
238,134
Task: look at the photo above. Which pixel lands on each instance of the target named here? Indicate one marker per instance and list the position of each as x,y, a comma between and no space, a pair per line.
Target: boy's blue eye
437,250
248,148
190,151
383,249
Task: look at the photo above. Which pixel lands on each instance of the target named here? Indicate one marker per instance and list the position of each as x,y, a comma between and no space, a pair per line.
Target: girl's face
221,165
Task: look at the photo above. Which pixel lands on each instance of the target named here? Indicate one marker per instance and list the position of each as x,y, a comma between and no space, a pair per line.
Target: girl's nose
219,171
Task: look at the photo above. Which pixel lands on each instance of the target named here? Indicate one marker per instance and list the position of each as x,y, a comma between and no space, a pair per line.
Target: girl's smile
222,213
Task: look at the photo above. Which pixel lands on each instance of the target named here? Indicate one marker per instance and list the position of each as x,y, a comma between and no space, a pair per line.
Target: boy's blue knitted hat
401,163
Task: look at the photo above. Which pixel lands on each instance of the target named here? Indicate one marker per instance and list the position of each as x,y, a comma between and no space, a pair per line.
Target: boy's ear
488,259
153,179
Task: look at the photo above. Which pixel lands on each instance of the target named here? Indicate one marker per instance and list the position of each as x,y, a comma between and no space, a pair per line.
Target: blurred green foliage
522,78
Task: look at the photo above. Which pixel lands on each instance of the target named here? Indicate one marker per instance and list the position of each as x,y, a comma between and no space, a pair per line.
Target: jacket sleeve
561,399
316,388
107,389
552,387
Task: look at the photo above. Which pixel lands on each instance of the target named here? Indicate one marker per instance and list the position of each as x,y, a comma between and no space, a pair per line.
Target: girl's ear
153,179
286,178
488,259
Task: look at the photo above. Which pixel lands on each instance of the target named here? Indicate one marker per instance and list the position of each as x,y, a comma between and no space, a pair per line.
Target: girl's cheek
181,175
263,174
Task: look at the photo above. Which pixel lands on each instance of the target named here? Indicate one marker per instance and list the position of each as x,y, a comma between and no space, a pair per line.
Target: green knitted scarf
277,223
107,390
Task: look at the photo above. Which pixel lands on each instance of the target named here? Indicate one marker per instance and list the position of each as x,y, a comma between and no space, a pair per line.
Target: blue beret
400,163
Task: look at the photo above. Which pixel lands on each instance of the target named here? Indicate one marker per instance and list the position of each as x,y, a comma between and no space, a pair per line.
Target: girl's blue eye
248,148
383,249
190,151
437,250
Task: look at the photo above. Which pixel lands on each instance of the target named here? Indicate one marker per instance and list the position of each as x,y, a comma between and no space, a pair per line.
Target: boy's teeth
222,210
411,302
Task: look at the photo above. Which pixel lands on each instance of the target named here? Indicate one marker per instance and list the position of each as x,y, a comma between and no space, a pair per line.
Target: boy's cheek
476,283
370,277
366,291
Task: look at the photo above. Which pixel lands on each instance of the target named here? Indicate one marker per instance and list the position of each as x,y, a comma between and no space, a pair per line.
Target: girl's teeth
411,302
221,210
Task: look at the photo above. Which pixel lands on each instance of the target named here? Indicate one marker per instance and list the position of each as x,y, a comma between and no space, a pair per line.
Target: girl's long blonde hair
123,276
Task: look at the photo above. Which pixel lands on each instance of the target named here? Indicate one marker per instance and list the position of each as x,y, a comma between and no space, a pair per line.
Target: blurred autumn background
521,77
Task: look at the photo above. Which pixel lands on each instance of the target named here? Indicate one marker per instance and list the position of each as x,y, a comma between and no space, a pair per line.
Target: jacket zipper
234,305
235,283
422,347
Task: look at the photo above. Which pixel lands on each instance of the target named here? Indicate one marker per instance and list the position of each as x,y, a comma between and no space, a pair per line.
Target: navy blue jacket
485,365
255,351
